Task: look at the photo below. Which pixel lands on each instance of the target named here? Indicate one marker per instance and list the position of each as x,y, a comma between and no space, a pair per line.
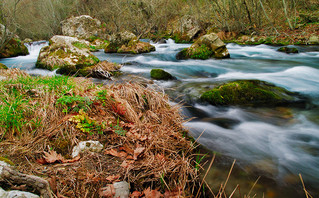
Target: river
275,143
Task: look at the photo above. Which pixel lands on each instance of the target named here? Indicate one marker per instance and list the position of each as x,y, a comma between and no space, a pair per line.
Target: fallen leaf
138,151
52,157
135,194
115,153
177,193
107,191
152,193
113,178
161,157
126,149
127,163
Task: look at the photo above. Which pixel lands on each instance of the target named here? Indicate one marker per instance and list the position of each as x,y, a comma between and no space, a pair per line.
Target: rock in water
207,46
67,54
127,42
160,74
84,27
288,50
251,93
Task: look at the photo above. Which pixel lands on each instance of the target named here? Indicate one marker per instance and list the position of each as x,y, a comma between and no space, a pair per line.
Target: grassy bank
145,144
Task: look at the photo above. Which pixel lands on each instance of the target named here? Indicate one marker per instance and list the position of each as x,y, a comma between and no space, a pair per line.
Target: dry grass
150,123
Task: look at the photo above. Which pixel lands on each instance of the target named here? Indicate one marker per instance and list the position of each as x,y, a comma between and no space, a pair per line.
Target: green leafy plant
86,124
118,129
74,103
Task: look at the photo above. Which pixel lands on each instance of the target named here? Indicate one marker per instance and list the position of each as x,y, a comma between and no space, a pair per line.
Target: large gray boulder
84,27
127,42
185,29
67,54
207,46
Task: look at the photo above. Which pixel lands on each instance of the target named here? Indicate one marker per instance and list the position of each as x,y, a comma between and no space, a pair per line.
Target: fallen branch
13,177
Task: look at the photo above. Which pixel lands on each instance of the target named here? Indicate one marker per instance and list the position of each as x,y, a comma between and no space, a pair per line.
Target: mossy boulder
67,54
14,47
2,66
160,74
185,29
83,27
127,42
250,93
104,70
207,46
288,50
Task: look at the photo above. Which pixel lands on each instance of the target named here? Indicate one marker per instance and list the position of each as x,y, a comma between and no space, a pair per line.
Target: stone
288,50
94,146
27,40
185,29
251,93
122,189
16,194
127,42
207,46
84,27
3,66
160,74
104,70
67,54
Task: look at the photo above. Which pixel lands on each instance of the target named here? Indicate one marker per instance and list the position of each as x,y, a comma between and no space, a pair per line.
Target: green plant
199,160
86,124
74,103
118,129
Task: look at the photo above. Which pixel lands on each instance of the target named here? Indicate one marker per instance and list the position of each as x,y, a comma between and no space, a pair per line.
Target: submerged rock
127,42
2,66
160,74
288,50
250,93
84,27
67,54
207,46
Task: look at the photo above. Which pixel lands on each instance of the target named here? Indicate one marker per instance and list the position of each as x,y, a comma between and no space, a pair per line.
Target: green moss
180,38
14,48
6,160
247,92
2,66
201,52
80,45
160,74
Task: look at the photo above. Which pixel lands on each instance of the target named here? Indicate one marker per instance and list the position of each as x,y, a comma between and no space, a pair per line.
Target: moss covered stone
2,66
160,74
249,93
288,50
67,54
207,46
15,47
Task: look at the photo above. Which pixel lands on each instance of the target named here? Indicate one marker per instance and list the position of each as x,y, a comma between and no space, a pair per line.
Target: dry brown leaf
177,193
107,191
152,193
126,149
52,157
135,194
113,178
138,151
115,153
127,163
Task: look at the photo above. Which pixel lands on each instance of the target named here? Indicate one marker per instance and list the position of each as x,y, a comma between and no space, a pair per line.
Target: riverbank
143,140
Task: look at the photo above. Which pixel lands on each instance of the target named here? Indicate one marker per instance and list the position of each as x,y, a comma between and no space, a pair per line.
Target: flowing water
275,143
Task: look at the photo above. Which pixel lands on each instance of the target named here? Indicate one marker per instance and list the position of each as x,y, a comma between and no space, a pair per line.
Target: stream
274,143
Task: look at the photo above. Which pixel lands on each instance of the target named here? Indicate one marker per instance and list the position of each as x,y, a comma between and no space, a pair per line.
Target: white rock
16,194
94,146
122,189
